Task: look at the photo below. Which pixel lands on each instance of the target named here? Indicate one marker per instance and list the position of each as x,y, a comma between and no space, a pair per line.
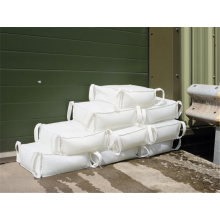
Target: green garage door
42,69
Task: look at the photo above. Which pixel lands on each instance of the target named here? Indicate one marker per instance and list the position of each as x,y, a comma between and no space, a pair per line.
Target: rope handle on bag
34,162
91,118
56,144
118,100
116,142
141,150
140,117
36,132
184,131
17,146
181,109
178,146
69,110
92,92
98,163
152,138
159,89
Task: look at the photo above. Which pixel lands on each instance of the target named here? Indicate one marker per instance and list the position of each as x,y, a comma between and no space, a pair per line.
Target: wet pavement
173,172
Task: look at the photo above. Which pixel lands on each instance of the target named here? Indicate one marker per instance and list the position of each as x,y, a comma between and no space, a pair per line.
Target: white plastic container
69,138
41,162
167,110
127,138
108,157
124,96
99,116
159,148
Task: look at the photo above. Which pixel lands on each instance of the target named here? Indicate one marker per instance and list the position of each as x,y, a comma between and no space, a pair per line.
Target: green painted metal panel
141,30
217,55
70,47
8,144
22,128
43,94
66,61
15,77
85,34
29,60
26,111
203,55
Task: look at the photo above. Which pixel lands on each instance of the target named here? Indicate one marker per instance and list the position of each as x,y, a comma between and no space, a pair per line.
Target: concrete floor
173,172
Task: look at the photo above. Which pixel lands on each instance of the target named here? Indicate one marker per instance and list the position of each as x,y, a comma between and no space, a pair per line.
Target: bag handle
92,93
17,146
56,144
159,89
69,110
184,129
141,150
181,109
34,162
91,118
116,147
178,146
152,134
140,118
94,164
118,100
36,132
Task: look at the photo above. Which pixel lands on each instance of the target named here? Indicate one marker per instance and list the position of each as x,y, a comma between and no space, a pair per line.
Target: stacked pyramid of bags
119,122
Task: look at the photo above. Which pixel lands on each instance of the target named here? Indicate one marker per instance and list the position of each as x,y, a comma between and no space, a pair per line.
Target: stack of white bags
119,122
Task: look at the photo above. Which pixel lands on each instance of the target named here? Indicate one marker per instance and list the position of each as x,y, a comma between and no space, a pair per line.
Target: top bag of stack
125,96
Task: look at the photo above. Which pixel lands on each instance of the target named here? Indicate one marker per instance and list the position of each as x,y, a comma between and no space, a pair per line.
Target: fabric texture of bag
167,110
124,96
108,157
159,148
99,116
41,162
69,138
127,138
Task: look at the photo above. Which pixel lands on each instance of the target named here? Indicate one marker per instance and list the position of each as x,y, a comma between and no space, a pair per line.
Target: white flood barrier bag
169,130
124,96
159,148
69,138
128,138
167,110
41,162
108,157
99,116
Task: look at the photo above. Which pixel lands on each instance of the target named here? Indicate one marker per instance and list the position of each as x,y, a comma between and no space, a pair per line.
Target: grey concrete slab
173,172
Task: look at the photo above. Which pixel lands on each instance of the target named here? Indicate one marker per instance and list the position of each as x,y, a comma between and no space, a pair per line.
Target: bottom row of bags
41,162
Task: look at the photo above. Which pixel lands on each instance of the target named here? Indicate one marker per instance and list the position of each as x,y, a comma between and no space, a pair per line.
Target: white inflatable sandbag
108,157
169,130
167,110
99,116
124,96
69,138
154,149
41,162
127,138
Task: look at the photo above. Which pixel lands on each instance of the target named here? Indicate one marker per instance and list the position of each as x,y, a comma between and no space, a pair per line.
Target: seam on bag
128,109
158,106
